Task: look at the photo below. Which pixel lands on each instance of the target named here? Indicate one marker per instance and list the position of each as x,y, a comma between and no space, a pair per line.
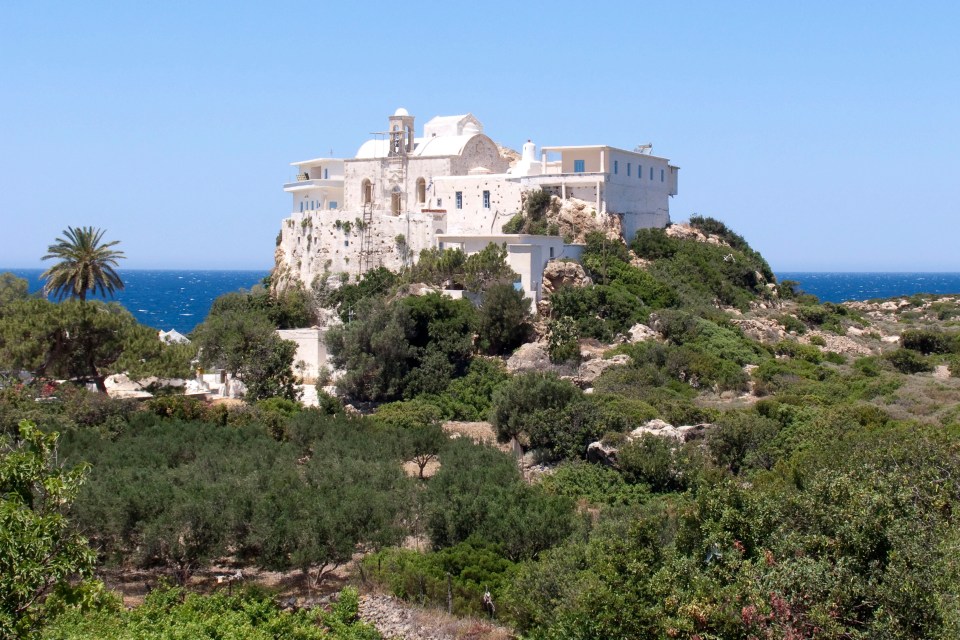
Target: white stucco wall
311,350
527,254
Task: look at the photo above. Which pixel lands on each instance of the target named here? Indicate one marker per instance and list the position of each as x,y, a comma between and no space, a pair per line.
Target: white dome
401,112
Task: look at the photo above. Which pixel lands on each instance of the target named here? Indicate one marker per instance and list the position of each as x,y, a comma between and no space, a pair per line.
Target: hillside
704,452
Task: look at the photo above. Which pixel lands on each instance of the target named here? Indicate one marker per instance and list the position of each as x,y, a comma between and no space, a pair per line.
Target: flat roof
315,161
601,146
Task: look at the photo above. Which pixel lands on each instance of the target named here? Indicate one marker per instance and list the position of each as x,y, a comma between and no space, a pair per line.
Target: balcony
303,185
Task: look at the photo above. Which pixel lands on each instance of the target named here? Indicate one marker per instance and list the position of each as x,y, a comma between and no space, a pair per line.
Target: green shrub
649,460
563,340
654,244
592,483
514,224
503,319
908,361
791,323
518,405
928,341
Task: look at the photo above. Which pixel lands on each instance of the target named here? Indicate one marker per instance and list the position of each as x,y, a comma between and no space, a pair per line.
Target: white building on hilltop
454,186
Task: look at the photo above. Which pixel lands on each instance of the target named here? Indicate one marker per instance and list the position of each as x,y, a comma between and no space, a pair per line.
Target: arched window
395,203
366,191
421,190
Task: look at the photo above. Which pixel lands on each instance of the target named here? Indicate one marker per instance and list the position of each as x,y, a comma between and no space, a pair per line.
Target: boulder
591,369
642,333
603,453
532,356
564,274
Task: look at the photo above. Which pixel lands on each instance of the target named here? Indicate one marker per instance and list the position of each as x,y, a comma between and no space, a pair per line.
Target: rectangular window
628,169
661,175
333,204
459,199
616,166
486,199
578,166
639,172
301,207
326,174
439,202
551,252
651,173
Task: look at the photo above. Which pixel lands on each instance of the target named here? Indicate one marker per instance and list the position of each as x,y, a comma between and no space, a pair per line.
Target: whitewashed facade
452,187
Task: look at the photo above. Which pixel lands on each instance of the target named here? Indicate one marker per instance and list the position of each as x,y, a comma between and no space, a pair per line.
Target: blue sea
168,299
840,287
181,299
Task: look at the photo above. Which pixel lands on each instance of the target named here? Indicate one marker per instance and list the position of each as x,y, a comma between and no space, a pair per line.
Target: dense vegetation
815,495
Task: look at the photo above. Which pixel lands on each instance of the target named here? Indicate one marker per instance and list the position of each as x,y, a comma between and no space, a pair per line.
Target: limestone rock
532,356
642,333
666,430
603,453
576,218
838,344
762,330
591,369
687,232
559,274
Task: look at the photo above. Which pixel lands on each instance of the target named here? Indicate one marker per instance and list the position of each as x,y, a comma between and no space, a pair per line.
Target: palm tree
84,265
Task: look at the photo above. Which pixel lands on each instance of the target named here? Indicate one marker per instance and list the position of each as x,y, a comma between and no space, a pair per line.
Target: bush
470,568
514,224
517,404
649,460
592,483
928,341
653,244
479,492
908,361
502,322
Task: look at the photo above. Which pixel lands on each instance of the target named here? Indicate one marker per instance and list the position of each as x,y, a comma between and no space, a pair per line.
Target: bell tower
401,133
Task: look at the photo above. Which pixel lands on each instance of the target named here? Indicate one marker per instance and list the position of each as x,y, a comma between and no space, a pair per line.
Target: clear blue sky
827,133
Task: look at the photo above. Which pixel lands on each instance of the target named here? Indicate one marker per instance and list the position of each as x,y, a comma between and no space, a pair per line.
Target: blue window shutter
616,166
578,166
628,169
651,173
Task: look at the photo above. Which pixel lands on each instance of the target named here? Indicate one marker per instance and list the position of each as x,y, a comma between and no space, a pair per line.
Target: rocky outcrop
559,274
764,330
663,429
591,369
532,356
606,453
642,333
838,344
686,232
577,218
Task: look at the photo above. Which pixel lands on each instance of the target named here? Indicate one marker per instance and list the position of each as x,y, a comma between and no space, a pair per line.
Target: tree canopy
85,265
